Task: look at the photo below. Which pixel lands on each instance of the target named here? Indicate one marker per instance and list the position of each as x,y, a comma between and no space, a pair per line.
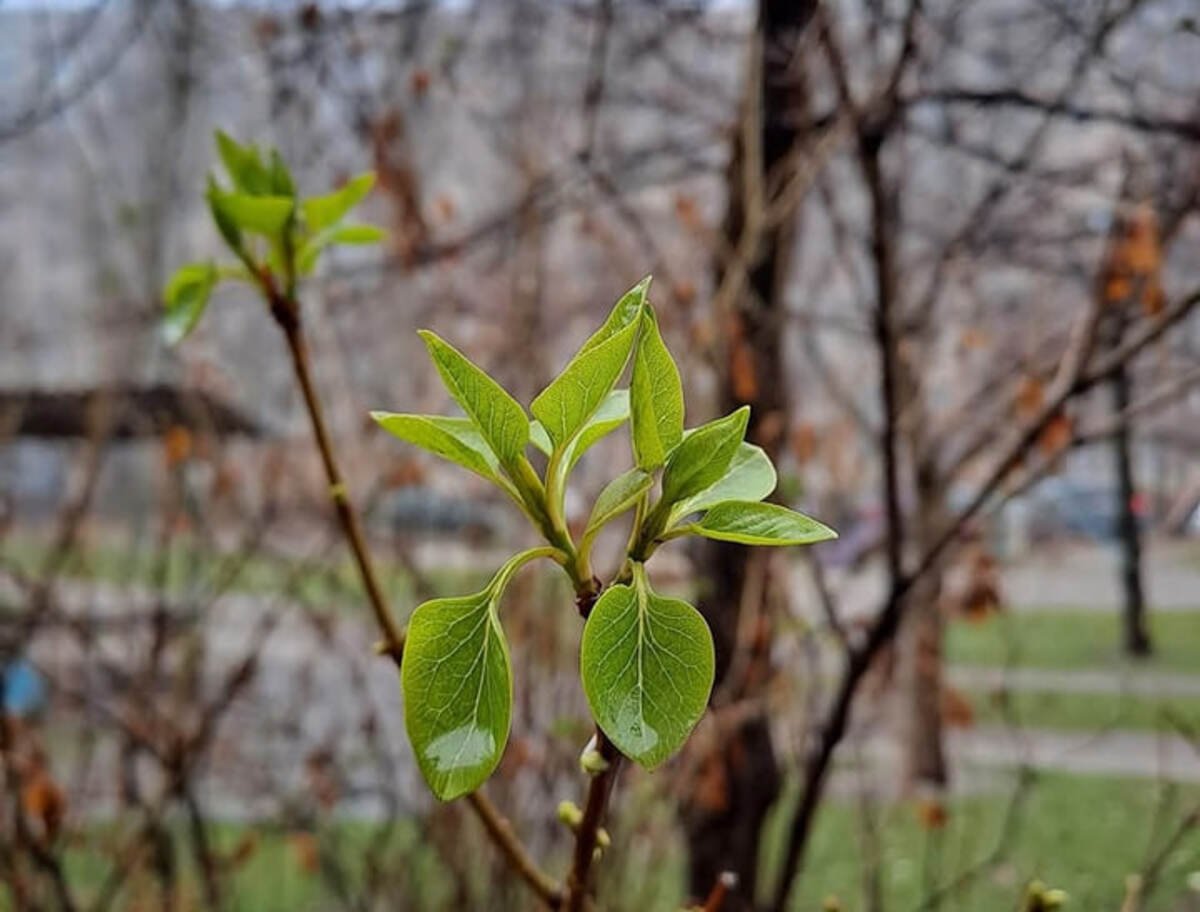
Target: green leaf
703,456
647,667
627,310
340,234
225,224
573,396
498,416
612,413
185,299
265,215
281,178
455,439
457,680
750,477
656,397
618,496
539,437
357,234
321,212
245,166
761,524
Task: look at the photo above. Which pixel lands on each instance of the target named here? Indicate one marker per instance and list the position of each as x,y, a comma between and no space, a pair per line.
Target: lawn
1072,639
1082,834
1078,833
1084,711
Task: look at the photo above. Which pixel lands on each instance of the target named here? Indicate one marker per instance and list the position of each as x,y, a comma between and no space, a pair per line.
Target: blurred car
425,511
1061,507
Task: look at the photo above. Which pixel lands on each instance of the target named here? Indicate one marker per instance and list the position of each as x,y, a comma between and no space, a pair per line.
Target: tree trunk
1136,635
921,648
739,775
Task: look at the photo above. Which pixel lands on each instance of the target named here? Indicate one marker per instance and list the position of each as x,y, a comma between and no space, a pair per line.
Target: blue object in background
24,689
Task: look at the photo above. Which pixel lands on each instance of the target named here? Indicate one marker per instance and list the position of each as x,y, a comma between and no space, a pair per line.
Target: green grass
273,875
1078,833
1072,639
1084,711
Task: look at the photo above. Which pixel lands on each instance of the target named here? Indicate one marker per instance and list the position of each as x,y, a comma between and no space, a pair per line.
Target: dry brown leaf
177,445
306,851
1056,436
957,711
44,803
1031,393
932,814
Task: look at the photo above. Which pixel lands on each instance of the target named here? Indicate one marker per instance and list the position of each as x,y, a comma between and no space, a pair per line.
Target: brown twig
287,315
586,835
518,858
720,892
286,311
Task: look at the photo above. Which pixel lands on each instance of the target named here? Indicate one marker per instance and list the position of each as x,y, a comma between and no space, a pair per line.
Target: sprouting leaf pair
276,236
646,661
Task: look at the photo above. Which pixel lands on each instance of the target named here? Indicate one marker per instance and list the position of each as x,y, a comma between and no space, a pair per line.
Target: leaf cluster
275,235
646,661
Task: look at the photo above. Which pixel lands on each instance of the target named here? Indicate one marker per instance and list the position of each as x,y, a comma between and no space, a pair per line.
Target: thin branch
287,315
518,857
586,836
286,311
1182,129
1074,378
726,882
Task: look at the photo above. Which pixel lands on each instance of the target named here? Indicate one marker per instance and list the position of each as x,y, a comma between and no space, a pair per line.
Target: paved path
1085,577
1076,577
1118,682
1113,753
980,755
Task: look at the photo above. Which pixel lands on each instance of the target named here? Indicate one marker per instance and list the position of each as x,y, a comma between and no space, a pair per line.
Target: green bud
591,761
570,814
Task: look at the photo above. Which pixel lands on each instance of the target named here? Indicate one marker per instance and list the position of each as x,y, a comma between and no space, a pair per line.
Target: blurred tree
739,779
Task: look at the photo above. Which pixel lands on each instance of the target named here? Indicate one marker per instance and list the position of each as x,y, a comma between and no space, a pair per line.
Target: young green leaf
647,667
539,438
185,299
624,315
703,456
357,234
750,477
265,215
627,310
455,439
322,212
761,524
339,234
457,680
245,166
228,228
498,416
612,413
618,496
656,398
281,178
573,396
